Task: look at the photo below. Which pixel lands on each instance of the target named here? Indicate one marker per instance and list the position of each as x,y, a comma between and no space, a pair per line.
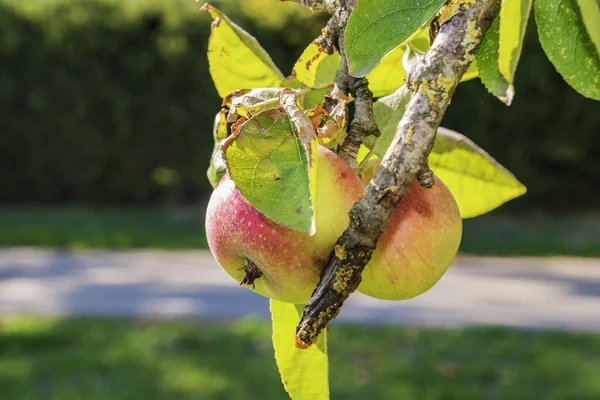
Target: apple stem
252,273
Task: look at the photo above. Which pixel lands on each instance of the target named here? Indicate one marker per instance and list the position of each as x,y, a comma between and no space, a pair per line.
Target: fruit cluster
412,254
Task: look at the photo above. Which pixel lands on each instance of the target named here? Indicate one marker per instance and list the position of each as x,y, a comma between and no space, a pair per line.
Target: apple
416,247
271,259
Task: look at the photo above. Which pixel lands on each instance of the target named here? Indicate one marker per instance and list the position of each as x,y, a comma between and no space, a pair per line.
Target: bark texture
432,82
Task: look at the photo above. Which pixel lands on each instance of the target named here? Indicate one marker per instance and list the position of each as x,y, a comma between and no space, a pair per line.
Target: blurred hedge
110,102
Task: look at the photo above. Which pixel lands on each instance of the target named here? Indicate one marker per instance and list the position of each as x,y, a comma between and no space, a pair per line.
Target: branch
363,121
432,82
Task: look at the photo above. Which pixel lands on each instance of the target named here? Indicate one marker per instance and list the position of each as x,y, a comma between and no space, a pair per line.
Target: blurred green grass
183,228
117,359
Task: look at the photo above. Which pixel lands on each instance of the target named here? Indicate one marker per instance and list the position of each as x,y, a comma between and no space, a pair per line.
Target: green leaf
304,372
477,181
590,12
388,112
272,160
314,97
389,74
568,45
315,67
514,15
236,60
487,65
376,27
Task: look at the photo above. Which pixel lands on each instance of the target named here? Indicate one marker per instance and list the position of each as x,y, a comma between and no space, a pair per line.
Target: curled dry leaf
332,132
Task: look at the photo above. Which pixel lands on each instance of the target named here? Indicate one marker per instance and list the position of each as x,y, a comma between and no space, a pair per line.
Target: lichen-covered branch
432,82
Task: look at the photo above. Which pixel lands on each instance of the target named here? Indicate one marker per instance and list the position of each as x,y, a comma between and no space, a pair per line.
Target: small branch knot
425,177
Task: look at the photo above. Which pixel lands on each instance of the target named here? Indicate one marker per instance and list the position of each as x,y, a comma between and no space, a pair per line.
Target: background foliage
105,102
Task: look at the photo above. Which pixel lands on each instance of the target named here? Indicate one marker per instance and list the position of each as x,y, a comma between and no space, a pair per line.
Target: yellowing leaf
513,22
477,181
304,372
236,60
315,67
389,74
272,160
590,12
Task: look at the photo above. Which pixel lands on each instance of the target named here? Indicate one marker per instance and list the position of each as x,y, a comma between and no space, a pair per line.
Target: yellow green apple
416,247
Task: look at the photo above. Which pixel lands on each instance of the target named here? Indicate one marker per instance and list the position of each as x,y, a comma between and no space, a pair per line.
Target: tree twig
363,121
432,81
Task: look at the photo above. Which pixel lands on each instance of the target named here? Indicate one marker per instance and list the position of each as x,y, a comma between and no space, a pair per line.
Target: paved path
560,293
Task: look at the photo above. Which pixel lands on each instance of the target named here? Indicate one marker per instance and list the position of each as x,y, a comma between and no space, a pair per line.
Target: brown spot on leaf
235,128
312,60
298,210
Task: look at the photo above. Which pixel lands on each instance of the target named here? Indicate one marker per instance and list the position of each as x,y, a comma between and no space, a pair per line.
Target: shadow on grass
100,359
135,359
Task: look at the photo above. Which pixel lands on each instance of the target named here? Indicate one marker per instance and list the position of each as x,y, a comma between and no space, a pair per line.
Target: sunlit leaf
487,65
236,60
272,160
477,181
514,15
590,12
304,372
376,27
568,45
389,74
315,67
